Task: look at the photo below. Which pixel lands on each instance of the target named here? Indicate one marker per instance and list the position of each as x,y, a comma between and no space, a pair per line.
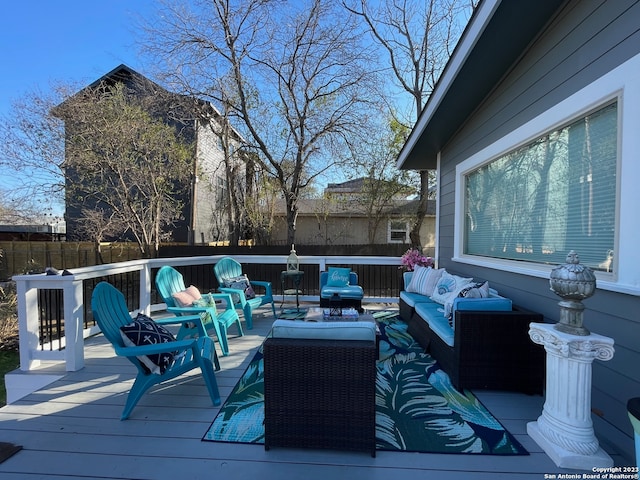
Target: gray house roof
495,37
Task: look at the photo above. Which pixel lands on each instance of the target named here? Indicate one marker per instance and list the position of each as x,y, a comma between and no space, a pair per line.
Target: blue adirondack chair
110,312
227,269
170,281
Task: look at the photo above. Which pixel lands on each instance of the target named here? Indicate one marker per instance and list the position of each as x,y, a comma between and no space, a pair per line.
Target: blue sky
65,40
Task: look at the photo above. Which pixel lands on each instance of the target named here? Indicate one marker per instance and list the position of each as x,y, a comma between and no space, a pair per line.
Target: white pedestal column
565,430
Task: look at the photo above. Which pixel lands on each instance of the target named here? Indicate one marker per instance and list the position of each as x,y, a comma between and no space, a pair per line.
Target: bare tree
296,71
99,225
119,166
418,38
122,161
32,152
383,185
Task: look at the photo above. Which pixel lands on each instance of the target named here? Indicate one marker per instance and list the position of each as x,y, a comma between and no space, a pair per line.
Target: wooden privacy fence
18,257
21,257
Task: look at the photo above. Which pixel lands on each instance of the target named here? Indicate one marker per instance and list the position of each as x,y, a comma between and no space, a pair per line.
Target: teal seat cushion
427,310
350,330
491,304
351,292
433,314
411,298
440,326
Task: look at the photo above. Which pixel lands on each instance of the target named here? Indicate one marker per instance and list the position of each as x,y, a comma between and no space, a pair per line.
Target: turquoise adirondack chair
227,269
170,281
110,312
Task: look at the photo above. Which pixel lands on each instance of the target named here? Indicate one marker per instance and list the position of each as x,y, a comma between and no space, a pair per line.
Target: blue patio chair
227,271
343,286
170,281
111,313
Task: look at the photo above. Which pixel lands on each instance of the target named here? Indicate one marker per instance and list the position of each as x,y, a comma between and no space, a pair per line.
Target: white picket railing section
70,349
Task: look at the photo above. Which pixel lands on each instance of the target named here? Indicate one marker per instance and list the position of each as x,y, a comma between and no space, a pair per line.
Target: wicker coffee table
320,393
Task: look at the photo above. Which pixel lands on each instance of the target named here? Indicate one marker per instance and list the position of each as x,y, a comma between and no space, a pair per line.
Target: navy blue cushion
144,331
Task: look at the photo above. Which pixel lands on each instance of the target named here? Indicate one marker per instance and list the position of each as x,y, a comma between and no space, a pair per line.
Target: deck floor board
71,429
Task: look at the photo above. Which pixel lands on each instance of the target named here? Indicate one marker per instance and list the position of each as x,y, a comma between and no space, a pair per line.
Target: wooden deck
71,429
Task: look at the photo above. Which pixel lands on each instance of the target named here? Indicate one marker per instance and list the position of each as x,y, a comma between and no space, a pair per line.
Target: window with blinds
398,231
555,194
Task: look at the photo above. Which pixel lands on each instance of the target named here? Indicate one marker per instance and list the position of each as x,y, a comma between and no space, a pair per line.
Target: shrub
8,317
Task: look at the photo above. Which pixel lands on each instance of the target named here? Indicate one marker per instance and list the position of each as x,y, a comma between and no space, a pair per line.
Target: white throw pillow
448,287
424,280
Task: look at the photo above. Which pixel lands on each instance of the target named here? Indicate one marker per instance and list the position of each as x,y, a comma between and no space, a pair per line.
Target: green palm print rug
417,408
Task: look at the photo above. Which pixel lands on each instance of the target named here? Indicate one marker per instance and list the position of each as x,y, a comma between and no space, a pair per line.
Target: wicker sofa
485,346
319,385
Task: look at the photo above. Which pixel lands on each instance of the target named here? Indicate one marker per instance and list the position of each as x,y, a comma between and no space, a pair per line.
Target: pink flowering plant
413,257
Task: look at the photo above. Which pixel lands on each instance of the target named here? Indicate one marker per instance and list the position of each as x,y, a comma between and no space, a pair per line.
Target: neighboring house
341,217
533,128
204,215
51,232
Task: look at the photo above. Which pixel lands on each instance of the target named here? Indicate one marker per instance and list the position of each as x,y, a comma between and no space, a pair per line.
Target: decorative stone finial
573,282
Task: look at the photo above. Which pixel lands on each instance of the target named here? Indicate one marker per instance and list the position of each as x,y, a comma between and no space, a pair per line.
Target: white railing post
73,324
145,289
28,324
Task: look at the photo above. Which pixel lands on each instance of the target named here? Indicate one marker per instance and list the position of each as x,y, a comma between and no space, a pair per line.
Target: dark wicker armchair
320,393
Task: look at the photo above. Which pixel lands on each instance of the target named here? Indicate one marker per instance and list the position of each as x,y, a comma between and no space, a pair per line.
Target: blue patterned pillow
338,277
475,290
144,331
448,287
240,283
472,290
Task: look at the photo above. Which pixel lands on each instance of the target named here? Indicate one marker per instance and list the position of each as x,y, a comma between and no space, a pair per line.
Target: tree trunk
421,210
292,216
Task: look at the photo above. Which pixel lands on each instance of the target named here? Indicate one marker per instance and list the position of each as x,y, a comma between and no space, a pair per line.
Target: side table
296,278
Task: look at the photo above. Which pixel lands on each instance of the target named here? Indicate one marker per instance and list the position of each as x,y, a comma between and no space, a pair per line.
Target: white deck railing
70,349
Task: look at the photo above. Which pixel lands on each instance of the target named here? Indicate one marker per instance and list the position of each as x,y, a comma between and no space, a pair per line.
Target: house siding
338,229
210,217
584,41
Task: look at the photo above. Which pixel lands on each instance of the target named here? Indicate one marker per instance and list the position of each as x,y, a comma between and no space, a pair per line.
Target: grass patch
9,353
9,361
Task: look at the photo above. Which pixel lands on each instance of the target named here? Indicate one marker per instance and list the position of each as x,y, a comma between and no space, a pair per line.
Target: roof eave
480,60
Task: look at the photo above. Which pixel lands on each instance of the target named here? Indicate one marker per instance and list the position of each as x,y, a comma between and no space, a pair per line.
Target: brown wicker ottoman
320,393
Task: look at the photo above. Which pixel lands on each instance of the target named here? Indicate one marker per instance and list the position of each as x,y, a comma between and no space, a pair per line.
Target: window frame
622,84
407,230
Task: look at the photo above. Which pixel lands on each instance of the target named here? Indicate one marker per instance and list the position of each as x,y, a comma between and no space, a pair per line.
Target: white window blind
555,194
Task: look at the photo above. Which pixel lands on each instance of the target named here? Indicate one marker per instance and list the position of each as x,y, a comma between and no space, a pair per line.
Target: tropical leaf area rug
417,408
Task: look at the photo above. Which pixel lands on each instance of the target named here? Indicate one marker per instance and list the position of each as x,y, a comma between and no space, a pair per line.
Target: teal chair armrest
177,346
223,296
235,291
190,310
179,320
261,283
